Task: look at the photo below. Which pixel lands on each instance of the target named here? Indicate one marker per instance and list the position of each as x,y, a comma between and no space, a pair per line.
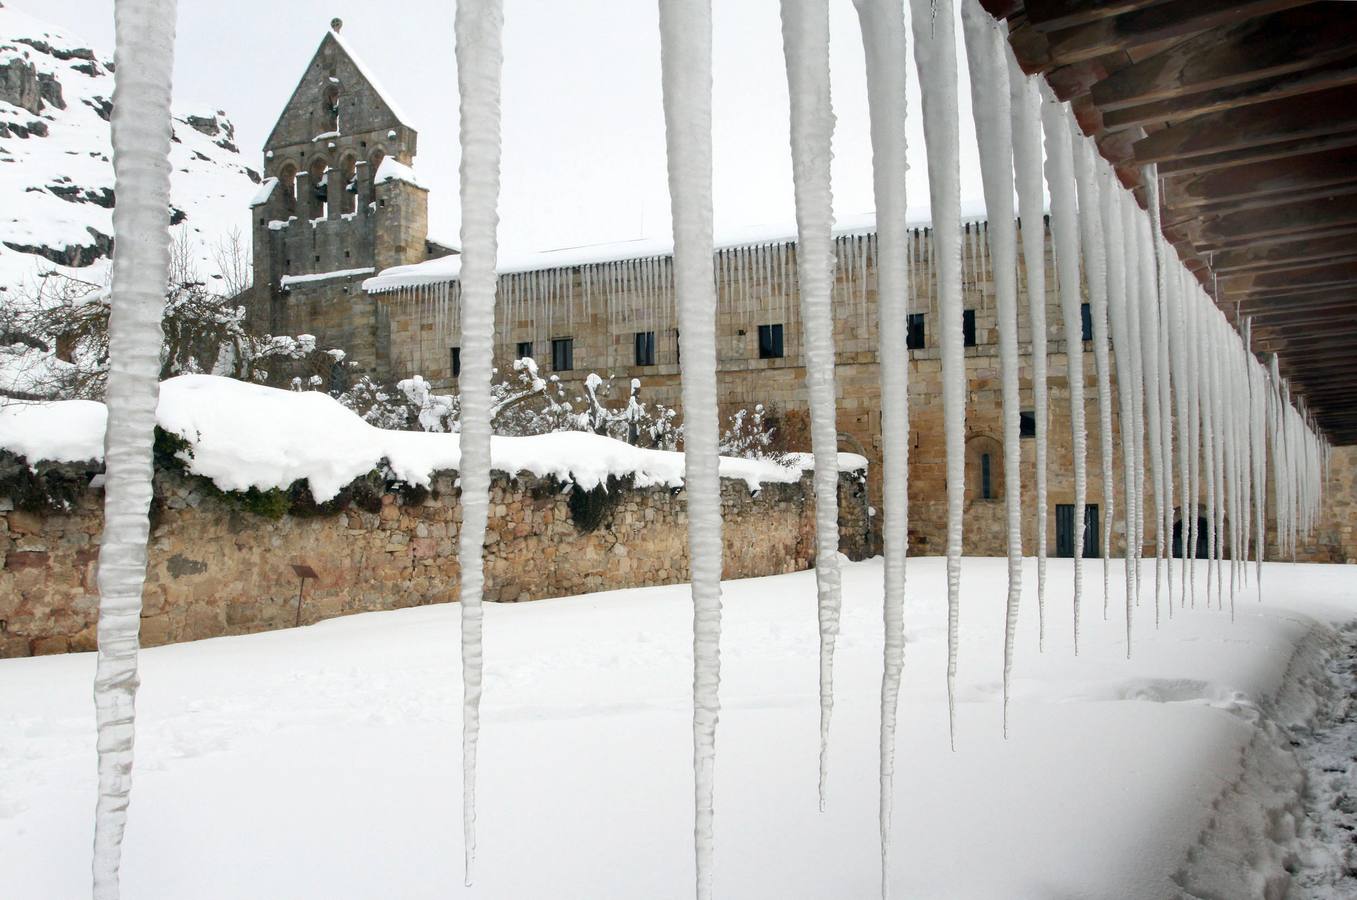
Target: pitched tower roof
364,105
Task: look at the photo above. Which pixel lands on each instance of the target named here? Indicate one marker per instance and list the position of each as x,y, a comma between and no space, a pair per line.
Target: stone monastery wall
216,569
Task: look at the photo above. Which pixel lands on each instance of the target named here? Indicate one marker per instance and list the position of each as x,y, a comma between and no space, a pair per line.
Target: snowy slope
325,760
56,174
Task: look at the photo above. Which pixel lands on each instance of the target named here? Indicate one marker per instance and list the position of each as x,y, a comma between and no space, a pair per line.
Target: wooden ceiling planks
1248,109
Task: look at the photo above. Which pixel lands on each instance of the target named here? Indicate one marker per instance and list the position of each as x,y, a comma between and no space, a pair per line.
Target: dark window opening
1064,530
914,331
645,348
524,350
968,327
456,361
986,489
1085,322
1027,424
563,354
770,341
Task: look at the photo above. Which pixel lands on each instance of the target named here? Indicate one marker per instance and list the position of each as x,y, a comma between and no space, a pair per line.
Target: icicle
1095,260
478,27
1137,257
883,40
1025,104
805,36
1121,285
993,129
935,59
1148,328
686,61
141,146
1065,241
1168,384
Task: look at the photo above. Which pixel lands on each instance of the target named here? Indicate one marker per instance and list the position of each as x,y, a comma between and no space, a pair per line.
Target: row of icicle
1188,385
757,282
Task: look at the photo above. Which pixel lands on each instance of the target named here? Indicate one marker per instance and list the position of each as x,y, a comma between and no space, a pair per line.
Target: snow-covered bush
205,331
747,435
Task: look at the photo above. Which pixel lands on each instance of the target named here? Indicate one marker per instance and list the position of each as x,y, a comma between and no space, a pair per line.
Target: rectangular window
1027,424
914,331
455,362
1064,530
968,327
1085,322
524,350
770,341
645,348
563,354
986,489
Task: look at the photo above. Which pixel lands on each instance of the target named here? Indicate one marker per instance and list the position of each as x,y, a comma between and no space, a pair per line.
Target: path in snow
1328,754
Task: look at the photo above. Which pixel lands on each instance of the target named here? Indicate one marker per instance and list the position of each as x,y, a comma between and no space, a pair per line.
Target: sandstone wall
216,570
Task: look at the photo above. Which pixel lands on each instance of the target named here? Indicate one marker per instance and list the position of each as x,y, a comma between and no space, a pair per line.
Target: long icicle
1065,239
1121,284
993,131
686,64
934,30
884,46
805,38
141,166
1085,161
479,25
1025,102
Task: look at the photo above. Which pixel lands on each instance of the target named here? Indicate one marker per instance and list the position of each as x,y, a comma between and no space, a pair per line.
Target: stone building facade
610,310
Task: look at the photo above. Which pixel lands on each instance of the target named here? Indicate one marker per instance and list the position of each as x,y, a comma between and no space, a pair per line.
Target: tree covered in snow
63,323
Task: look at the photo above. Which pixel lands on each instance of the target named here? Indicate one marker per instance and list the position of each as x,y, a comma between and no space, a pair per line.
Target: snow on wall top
449,268
387,97
392,169
56,173
246,435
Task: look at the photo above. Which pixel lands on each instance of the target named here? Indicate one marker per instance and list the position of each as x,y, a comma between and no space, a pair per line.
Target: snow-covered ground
324,762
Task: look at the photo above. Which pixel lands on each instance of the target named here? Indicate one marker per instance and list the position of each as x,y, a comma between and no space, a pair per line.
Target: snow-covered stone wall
217,568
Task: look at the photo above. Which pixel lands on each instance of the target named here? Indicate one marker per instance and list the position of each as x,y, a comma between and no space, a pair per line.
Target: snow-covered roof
387,97
265,191
246,435
288,280
449,268
392,169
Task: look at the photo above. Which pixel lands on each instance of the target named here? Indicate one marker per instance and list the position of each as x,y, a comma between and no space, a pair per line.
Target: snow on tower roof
391,169
449,268
387,97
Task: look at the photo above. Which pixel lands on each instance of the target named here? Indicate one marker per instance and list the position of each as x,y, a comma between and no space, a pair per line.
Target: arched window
330,109
349,197
287,186
318,189
374,163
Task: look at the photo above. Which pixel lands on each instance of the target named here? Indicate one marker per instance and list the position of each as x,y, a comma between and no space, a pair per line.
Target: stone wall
216,569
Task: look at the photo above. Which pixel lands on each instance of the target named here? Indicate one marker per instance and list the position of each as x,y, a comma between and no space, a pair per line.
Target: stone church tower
339,202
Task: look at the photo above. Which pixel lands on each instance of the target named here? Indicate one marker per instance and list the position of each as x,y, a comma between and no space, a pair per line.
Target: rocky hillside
56,173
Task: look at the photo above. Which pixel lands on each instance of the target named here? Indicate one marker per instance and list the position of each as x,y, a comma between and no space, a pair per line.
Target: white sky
583,125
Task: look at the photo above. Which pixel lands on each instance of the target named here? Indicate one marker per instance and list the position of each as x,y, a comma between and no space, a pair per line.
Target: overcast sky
583,125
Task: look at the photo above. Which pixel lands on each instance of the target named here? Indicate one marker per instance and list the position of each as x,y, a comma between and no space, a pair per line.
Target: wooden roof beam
1049,15
1278,44
1275,177
1185,106
1280,121
1148,25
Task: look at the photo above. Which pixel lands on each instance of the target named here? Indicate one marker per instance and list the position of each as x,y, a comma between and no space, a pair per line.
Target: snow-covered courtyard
325,762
